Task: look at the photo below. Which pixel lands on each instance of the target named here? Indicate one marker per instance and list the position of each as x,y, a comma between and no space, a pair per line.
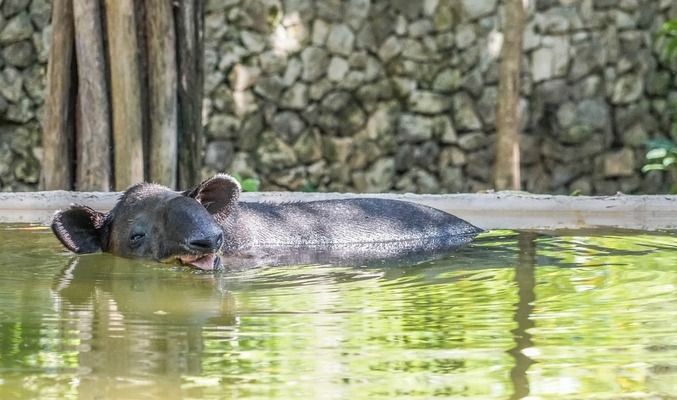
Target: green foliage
248,184
669,32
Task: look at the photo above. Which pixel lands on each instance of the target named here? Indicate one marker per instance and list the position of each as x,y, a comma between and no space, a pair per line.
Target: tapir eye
137,237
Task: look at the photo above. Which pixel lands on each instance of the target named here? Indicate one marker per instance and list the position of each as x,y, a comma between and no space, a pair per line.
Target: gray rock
269,88
414,128
11,7
636,136
272,62
658,83
20,112
552,60
425,102
403,158
223,126
274,154
627,89
19,54
486,105
320,32
41,13
315,61
619,163
378,178
420,28
34,83
582,120
475,9
356,11
465,36
288,125
296,97
308,147
472,141
319,89
447,81
253,41
292,72
464,113
329,9
18,28
444,130
341,40
11,83
382,121
390,49
249,133
219,154
242,77
337,149
451,156
338,68
409,9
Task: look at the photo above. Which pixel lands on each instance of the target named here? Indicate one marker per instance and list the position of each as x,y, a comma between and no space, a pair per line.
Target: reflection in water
510,316
526,282
117,311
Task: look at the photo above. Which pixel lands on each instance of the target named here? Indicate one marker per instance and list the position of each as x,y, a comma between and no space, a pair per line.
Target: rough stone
425,102
288,125
11,84
464,113
628,88
338,68
274,154
414,128
619,163
378,178
308,147
475,9
552,60
219,154
315,61
17,29
19,54
242,77
296,97
472,141
447,81
340,40
270,88
389,49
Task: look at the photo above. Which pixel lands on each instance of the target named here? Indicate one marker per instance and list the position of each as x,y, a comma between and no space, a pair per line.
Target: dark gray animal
193,227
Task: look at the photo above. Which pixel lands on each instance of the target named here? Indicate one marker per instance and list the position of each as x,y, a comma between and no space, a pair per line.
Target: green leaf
250,185
653,167
668,161
657,153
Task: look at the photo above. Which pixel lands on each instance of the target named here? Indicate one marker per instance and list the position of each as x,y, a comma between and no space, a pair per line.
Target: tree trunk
162,87
189,35
58,131
125,93
507,163
93,157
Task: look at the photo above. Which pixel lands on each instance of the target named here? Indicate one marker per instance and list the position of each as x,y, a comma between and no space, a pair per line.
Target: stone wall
24,34
397,95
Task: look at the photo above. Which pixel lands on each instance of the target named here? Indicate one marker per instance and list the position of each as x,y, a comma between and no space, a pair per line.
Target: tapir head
152,221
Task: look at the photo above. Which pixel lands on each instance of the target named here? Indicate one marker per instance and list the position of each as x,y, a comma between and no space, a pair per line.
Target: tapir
199,227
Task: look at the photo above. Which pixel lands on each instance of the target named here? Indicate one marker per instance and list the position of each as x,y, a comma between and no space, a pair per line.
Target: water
577,315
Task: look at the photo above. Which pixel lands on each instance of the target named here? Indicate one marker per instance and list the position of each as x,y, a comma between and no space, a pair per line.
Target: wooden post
93,171
125,93
507,164
162,87
57,138
189,35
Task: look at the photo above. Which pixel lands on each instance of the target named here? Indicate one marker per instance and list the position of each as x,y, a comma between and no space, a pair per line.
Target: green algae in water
575,315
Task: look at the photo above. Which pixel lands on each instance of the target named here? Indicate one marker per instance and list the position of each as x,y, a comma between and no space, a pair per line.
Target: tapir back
379,223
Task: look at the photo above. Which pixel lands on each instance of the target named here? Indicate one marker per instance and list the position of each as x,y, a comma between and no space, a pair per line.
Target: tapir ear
217,194
79,229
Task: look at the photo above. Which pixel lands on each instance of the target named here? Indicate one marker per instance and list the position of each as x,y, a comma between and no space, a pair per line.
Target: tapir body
152,221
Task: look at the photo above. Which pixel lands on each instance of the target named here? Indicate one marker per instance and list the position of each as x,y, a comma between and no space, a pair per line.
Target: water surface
573,315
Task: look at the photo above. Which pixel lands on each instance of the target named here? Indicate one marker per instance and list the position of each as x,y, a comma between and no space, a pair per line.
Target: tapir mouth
205,262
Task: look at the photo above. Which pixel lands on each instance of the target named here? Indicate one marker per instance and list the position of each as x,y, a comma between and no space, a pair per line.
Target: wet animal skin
198,227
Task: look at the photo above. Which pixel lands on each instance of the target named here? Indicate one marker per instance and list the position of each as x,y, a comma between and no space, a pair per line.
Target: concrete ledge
501,210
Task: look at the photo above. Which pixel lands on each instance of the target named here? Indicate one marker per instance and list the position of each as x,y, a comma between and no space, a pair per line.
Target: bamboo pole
162,87
125,93
57,138
93,171
189,35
